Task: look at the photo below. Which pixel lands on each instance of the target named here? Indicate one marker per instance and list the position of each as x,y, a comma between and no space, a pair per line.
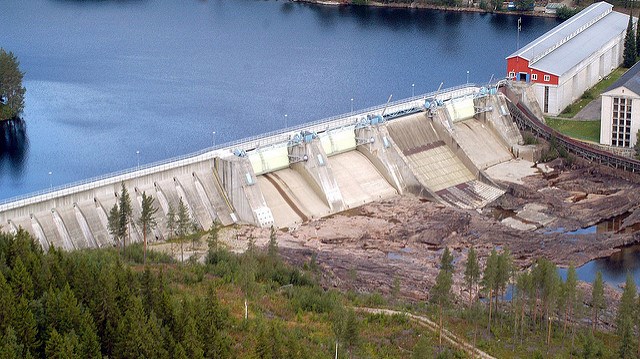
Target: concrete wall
582,76
606,115
214,185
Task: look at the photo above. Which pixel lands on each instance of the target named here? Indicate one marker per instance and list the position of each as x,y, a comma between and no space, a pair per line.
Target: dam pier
436,145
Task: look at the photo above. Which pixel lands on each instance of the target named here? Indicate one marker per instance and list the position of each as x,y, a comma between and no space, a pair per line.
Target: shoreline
414,5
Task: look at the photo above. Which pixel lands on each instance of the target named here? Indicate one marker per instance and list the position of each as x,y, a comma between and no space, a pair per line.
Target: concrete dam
435,145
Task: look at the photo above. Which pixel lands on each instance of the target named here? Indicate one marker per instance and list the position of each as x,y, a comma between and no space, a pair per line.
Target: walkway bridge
298,174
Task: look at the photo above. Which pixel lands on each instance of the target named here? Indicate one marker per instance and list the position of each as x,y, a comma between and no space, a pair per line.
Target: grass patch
592,93
583,130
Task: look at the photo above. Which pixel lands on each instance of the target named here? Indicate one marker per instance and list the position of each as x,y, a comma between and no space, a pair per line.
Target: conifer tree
597,298
125,213
272,249
489,278
171,221
26,328
629,54
114,224
625,319
570,291
440,293
7,304
9,346
471,272
183,224
351,336
147,219
11,89
20,280
60,346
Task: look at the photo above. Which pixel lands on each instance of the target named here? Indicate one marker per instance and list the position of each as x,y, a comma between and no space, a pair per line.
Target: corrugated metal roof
630,80
583,45
574,40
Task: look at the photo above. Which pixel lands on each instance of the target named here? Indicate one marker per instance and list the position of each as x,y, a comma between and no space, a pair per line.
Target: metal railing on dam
527,121
248,143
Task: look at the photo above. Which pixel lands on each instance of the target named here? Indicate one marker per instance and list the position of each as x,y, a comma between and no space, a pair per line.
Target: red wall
518,64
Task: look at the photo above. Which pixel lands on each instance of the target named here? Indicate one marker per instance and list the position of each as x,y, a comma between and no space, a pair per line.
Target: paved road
590,112
453,339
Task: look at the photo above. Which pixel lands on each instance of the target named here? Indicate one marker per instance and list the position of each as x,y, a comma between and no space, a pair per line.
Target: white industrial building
572,57
620,114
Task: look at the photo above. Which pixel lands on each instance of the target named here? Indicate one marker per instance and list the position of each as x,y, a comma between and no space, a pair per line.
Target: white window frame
534,77
547,78
512,75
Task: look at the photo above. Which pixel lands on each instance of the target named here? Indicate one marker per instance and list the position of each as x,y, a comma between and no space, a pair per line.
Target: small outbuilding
620,114
572,57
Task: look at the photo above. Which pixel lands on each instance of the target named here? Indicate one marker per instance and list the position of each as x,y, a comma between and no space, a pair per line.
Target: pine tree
126,213
489,278
422,349
471,272
625,319
350,335
440,293
9,346
147,219
637,41
7,304
183,225
272,249
11,89
212,238
597,298
171,221
20,280
570,289
62,346
114,224
26,328
629,54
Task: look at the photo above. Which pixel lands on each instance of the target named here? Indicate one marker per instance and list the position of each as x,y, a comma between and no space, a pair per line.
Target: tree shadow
14,146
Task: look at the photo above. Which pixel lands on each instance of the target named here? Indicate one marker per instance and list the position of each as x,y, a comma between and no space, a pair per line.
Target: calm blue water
107,78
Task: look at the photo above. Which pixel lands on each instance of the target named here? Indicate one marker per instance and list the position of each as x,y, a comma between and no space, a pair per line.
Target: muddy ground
400,240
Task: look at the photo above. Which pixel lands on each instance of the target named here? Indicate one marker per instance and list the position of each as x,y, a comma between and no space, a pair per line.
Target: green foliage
125,213
625,319
529,139
422,349
564,12
11,89
629,54
147,219
584,130
524,5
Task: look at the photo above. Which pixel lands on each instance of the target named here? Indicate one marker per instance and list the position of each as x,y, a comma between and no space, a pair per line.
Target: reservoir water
113,84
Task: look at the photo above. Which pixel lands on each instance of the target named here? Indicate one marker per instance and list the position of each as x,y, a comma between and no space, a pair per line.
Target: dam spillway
299,174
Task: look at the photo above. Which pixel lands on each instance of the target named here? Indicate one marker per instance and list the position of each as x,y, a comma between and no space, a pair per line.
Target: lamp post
50,183
413,93
138,159
467,76
351,104
214,138
285,121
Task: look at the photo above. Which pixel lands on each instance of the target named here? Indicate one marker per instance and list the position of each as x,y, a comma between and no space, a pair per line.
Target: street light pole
413,93
285,121
138,158
214,138
467,76
50,183
351,104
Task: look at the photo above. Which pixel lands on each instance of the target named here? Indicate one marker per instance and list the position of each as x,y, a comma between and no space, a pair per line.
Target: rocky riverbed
378,246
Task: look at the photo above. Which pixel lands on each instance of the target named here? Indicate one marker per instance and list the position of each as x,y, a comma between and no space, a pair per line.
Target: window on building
547,78
512,75
534,77
621,122
546,99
